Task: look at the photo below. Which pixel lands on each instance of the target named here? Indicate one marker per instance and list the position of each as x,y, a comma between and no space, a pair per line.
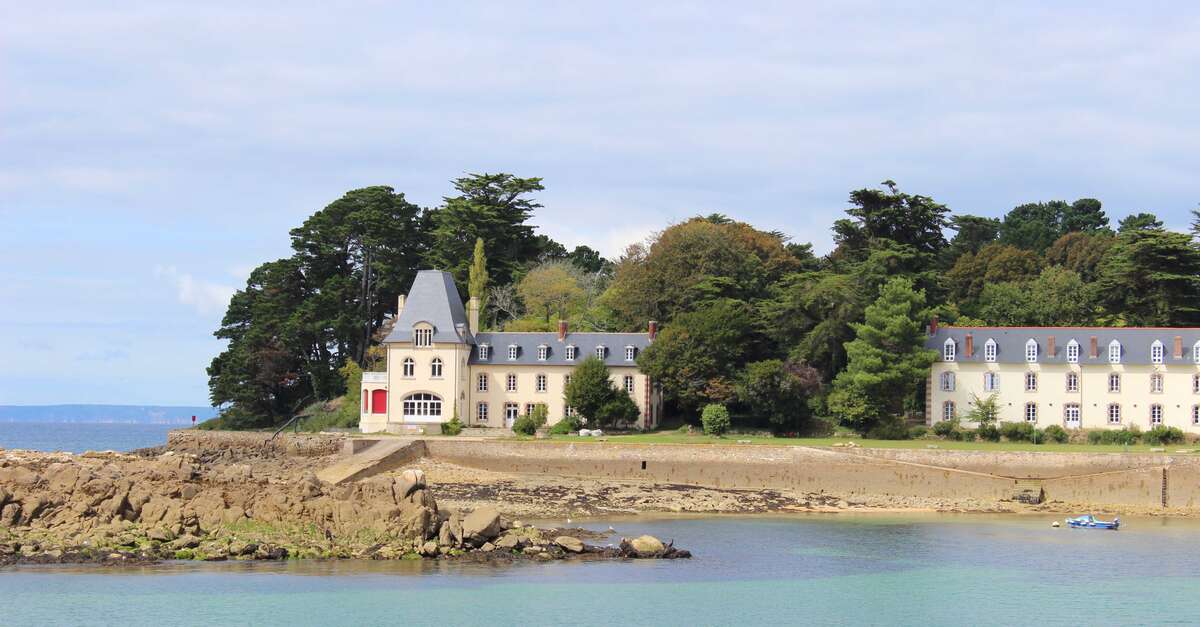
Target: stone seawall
294,444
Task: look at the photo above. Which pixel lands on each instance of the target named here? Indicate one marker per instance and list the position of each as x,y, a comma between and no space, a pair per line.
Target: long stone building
1076,377
439,364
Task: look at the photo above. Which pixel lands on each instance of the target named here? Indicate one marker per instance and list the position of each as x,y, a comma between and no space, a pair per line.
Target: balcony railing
374,377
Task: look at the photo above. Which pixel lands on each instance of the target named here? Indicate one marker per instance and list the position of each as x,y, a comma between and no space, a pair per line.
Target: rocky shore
262,503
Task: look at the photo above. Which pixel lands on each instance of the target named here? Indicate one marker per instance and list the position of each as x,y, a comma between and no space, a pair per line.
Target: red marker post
193,420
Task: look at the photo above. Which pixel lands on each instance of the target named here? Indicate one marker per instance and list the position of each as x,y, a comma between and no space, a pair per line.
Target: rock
487,547
516,524
186,542
574,545
509,541
161,534
411,480
647,546
188,492
429,549
481,525
444,538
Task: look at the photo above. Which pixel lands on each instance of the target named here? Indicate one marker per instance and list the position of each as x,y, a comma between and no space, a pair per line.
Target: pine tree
477,283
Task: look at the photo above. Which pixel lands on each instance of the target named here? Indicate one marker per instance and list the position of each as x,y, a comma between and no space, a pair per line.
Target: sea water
840,569
77,437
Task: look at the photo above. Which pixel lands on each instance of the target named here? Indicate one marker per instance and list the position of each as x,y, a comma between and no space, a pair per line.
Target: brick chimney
933,322
562,330
1095,349
970,340
1050,346
1178,354
652,330
473,314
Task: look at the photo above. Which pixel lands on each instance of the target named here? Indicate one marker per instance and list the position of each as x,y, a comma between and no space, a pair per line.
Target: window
629,384
543,353
1114,414
566,380
1156,352
1196,414
989,350
1156,414
423,337
1196,384
485,352
529,408
1114,352
630,353
435,368
948,410
991,381
378,401
510,383
422,404
1071,415
512,352
1031,351
570,411
1030,412
540,383
1072,382
1072,352
948,350
600,350
481,412
570,354
1156,383
947,382
1030,381
1196,352
482,385
410,367
1114,382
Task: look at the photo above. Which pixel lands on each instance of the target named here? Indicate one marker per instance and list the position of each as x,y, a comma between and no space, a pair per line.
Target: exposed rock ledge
265,505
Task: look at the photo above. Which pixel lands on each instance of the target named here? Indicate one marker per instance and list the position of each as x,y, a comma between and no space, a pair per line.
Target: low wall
296,444
1021,464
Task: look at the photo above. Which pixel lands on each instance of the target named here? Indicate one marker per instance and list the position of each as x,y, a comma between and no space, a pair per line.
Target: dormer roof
434,299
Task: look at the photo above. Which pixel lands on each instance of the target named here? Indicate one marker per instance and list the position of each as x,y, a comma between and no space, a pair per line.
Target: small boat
1087,521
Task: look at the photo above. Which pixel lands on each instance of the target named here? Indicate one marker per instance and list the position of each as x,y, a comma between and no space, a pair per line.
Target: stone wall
297,444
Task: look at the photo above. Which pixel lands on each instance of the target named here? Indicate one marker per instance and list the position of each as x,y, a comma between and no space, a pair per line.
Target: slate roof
1010,343
433,298
585,343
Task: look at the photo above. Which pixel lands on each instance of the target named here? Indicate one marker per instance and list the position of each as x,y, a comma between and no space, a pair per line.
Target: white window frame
948,410
1114,377
629,384
1156,352
485,352
1196,352
571,352
1031,351
513,351
991,381
543,352
949,349
539,383
1072,381
630,353
435,368
481,412
601,351
1072,352
511,411
1114,352
566,381
1196,384
569,411
510,382
481,383
1068,410
1156,383
423,337
1031,382
421,404
1156,414
1114,413
1196,414
1031,412
946,383
989,350
408,368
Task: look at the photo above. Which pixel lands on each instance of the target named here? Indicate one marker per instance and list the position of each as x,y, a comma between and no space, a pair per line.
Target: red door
379,401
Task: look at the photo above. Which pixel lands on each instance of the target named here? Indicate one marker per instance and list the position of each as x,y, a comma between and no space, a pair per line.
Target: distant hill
139,414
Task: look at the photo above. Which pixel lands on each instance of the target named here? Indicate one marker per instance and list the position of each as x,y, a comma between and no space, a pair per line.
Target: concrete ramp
372,459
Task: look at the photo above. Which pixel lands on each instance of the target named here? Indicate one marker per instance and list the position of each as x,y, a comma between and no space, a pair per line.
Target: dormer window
600,351
1031,351
1072,352
571,350
630,353
1196,352
1114,352
423,337
1156,352
543,352
485,352
948,350
513,350
989,350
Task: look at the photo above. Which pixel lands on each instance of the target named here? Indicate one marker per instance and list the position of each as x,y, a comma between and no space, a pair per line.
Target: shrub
1017,431
1115,436
715,419
568,425
988,432
918,432
618,410
1163,435
966,435
524,425
454,427
1055,433
889,429
946,428
1037,436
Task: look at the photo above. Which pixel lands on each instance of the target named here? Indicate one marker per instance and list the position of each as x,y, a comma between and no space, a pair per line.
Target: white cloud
205,297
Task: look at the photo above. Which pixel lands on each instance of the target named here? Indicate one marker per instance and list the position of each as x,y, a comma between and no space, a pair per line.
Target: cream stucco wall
497,395
1135,397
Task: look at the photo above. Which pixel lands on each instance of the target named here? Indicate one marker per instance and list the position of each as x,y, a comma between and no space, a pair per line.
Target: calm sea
77,437
804,569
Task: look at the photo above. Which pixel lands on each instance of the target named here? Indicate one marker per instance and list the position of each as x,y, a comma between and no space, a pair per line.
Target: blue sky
152,154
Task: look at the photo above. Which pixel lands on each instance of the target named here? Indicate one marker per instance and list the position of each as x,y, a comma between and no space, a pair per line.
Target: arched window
1114,382
1030,412
949,349
378,401
435,367
1030,381
366,404
991,381
1156,352
410,367
1114,352
1156,415
1114,414
989,350
1072,382
948,410
422,405
1072,352
947,382
1031,351
1156,383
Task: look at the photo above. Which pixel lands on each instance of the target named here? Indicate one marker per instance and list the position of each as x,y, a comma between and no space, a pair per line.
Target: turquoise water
77,437
835,569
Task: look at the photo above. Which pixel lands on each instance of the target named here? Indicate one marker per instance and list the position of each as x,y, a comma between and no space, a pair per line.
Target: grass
674,437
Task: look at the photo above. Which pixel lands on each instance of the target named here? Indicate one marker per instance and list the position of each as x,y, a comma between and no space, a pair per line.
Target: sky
152,154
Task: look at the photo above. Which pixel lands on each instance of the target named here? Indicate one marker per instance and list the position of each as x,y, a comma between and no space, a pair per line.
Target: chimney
399,306
1178,347
652,330
1050,346
473,314
562,330
933,322
970,345
1095,348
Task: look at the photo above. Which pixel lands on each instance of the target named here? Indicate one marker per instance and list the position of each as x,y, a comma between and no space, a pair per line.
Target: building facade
1075,377
439,365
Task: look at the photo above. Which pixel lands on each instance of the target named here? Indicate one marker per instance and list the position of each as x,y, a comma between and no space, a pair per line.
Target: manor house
1075,377
439,364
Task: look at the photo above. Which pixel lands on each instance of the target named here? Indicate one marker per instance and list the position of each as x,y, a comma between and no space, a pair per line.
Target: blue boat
1087,521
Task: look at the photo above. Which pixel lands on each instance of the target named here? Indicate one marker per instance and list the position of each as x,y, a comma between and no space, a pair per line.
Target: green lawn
674,437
